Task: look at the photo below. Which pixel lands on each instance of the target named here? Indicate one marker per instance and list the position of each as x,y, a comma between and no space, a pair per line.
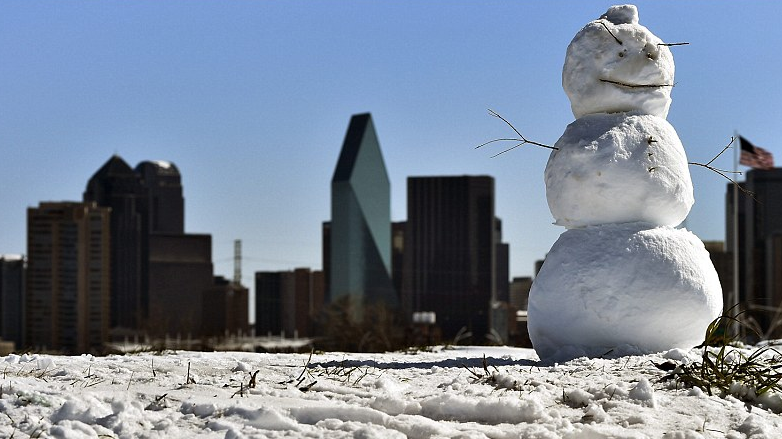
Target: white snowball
622,287
603,76
621,14
613,168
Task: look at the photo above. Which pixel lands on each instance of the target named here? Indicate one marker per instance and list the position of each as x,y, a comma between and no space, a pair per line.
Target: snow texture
613,168
439,394
622,288
602,75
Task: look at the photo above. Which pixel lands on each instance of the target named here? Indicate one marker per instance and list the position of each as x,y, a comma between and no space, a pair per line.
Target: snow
601,75
441,393
613,168
162,164
623,288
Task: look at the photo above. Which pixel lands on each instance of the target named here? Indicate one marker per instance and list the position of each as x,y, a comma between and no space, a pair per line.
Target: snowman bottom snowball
619,289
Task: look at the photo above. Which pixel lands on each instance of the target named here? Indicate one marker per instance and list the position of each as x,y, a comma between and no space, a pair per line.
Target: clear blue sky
251,100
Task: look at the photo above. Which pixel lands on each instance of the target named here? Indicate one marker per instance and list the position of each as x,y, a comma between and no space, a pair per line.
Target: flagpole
735,295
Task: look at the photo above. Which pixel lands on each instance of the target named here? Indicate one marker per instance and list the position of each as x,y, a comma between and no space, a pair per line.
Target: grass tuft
727,370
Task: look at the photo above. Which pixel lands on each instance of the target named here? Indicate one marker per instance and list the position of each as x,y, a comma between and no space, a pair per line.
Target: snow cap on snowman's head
616,65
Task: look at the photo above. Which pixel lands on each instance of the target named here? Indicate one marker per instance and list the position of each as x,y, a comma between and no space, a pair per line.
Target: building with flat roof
759,230
68,277
451,253
288,302
12,274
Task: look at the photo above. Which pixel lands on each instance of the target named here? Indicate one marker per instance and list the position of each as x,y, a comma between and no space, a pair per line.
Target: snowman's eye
621,54
650,55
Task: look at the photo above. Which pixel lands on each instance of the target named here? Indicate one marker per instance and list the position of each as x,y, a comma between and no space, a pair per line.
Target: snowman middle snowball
615,168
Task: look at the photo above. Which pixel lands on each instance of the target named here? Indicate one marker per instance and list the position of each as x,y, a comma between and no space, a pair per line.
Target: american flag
755,156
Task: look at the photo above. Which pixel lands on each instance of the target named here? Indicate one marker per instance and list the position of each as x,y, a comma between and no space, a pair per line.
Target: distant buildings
68,277
288,302
161,276
118,265
12,284
452,251
224,309
358,239
180,273
759,246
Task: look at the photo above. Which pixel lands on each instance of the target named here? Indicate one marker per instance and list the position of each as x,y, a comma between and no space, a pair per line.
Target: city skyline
248,99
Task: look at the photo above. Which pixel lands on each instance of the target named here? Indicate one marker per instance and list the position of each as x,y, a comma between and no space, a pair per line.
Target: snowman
621,279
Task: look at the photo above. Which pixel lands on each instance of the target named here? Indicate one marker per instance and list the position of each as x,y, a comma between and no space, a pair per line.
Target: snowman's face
613,68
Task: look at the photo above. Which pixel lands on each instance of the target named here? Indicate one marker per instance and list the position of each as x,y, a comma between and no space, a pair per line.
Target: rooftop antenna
238,261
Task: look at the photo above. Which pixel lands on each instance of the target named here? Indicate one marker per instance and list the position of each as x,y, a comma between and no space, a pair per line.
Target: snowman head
616,65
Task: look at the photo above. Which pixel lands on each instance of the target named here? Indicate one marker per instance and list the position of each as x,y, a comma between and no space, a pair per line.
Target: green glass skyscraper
360,231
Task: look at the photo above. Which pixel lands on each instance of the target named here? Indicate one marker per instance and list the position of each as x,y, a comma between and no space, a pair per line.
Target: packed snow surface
622,288
442,394
615,64
621,167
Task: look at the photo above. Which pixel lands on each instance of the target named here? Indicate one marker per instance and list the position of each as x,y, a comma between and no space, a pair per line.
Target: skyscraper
759,245
117,187
67,298
450,252
360,230
164,189
159,273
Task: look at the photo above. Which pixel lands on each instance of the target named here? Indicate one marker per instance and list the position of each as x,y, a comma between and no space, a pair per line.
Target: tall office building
165,201
359,234
160,274
268,302
116,186
67,297
12,273
759,244
450,259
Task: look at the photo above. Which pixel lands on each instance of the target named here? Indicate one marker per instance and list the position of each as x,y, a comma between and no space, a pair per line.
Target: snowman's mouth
627,85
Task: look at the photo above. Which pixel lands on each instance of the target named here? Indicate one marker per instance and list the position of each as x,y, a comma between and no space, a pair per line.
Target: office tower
268,302
288,302
12,273
360,230
180,272
225,308
164,189
450,252
502,263
67,297
159,273
117,187
519,292
759,231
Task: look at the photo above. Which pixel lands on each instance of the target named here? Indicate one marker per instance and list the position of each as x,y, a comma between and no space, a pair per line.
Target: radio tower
238,261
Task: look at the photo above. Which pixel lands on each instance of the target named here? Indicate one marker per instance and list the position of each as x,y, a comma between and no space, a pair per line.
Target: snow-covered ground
446,393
